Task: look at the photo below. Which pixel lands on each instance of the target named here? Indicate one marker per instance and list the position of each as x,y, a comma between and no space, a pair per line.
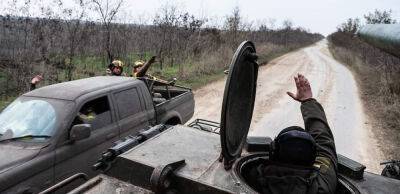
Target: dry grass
379,91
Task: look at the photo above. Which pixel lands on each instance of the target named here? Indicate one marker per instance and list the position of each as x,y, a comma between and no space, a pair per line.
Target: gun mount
124,145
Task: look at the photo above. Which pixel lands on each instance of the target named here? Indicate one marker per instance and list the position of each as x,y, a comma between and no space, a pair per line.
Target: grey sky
321,16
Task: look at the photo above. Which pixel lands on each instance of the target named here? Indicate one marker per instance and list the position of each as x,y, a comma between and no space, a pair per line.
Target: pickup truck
53,132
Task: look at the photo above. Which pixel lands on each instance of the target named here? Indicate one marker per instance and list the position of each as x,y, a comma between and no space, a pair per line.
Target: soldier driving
302,161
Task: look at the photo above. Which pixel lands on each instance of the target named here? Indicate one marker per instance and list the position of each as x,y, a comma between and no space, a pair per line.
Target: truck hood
13,155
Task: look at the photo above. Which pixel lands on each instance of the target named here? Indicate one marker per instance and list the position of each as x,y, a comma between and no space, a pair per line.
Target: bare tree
380,17
107,9
233,24
165,23
287,24
350,26
271,23
73,16
62,42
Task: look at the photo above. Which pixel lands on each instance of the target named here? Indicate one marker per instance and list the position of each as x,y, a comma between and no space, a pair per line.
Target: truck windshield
27,117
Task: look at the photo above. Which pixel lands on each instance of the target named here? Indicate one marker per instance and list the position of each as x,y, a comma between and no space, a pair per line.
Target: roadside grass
199,81
382,106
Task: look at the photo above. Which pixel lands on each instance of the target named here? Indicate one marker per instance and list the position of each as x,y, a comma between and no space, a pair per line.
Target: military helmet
138,63
294,145
118,63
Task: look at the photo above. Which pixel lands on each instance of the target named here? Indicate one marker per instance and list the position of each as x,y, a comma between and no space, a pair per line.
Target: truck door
131,113
148,104
79,156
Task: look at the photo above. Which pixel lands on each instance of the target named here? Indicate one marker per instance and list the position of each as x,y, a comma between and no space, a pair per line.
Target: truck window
95,112
128,102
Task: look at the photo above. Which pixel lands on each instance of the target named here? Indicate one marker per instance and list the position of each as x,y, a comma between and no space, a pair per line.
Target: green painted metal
383,36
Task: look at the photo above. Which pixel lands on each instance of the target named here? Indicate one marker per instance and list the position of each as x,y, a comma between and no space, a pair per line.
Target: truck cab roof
73,89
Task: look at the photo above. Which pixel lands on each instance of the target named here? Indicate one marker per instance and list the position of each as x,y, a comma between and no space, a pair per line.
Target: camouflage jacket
320,178
316,124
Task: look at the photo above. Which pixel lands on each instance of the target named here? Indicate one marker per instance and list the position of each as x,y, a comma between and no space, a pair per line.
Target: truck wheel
173,121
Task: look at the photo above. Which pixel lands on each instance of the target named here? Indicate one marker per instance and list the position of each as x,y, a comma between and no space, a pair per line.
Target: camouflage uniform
321,177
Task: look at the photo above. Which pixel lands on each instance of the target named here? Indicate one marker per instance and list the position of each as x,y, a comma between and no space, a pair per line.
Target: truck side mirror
80,131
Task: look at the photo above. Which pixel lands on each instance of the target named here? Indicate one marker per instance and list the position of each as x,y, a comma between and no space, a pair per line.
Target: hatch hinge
162,177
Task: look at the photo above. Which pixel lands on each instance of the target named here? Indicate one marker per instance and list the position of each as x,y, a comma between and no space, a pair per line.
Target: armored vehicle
56,131
205,156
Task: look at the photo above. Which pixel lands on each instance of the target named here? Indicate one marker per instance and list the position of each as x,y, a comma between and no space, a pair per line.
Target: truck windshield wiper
25,136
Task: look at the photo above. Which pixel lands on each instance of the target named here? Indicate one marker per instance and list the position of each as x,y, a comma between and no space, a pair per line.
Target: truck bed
173,101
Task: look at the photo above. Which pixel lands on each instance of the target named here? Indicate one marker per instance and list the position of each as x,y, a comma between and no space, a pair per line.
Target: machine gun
124,145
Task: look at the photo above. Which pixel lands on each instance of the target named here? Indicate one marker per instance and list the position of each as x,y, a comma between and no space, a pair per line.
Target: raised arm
315,121
142,71
34,81
316,124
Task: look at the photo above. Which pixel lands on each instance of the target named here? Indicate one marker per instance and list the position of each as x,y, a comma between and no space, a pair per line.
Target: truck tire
173,121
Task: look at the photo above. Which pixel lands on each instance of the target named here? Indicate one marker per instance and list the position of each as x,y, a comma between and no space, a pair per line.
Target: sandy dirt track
333,85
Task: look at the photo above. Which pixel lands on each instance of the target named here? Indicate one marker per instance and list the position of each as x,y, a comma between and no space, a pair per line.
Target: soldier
301,161
140,68
116,68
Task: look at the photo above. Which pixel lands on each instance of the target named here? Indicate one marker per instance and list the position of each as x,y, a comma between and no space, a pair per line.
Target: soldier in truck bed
140,70
140,67
301,161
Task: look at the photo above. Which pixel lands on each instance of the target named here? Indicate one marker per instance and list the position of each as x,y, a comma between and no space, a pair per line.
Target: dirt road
333,86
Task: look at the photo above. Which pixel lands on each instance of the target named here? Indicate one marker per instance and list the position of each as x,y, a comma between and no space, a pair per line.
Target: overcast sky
321,16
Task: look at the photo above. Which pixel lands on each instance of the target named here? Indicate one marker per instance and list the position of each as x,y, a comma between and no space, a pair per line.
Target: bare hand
303,89
36,79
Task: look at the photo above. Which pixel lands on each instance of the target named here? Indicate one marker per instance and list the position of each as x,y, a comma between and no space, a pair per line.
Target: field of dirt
333,86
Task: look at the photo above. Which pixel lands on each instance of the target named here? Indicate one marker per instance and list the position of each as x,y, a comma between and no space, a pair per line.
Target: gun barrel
383,36
125,145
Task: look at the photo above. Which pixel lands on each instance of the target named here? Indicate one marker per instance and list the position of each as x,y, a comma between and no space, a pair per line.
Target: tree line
64,43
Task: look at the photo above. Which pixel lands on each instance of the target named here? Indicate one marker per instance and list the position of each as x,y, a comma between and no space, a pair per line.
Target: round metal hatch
238,102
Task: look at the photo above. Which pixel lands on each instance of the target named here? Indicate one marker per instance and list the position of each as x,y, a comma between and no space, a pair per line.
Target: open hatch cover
238,102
